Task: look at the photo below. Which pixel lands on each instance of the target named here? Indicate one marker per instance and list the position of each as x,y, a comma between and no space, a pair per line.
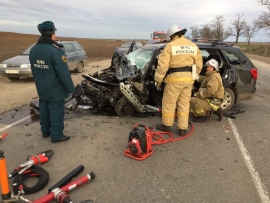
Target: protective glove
158,85
197,78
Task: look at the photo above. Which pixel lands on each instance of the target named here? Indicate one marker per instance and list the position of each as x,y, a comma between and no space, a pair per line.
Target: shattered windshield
140,58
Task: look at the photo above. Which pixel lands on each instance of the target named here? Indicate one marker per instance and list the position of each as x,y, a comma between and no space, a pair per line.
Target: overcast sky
122,19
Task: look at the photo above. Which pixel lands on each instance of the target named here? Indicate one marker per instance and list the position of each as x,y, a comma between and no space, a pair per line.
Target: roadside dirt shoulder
259,58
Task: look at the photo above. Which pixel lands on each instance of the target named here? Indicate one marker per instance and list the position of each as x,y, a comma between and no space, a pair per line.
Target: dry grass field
256,48
13,44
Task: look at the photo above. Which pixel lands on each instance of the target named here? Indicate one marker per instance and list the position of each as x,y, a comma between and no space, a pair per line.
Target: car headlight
25,66
3,65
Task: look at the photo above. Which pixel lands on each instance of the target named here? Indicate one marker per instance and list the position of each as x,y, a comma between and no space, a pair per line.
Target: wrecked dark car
128,84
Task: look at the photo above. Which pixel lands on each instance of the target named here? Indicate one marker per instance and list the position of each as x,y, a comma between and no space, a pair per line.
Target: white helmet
172,30
213,63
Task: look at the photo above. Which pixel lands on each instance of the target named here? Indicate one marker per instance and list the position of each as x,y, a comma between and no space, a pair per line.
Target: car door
80,53
240,73
131,47
70,52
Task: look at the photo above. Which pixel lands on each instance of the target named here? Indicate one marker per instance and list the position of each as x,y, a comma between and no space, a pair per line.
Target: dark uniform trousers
52,118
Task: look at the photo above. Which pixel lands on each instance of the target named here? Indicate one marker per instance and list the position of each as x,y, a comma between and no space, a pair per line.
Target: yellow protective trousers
176,96
201,106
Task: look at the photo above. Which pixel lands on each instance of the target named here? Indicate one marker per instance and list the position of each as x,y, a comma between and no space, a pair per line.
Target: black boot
163,128
62,139
219,113
201,119
182,133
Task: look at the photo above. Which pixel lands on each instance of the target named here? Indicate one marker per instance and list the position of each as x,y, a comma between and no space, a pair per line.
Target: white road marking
253,172
16,122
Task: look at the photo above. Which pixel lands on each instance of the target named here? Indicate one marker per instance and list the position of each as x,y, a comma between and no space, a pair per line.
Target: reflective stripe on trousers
214,107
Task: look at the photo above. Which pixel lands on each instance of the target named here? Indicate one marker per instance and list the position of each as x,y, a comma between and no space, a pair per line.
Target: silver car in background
16,67
19,66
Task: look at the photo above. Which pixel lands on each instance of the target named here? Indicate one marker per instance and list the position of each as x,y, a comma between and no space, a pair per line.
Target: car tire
123,107
13,78
79,68
228,100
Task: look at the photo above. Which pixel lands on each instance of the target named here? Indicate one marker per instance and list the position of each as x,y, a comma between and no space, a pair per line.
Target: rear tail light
254,73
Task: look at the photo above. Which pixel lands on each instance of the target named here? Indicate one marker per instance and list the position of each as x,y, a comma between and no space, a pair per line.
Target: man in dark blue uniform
53,82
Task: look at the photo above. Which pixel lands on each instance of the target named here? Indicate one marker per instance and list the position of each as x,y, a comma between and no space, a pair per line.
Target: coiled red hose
159,137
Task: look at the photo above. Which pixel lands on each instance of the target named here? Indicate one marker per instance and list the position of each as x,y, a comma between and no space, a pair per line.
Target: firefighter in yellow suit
210,95
175,70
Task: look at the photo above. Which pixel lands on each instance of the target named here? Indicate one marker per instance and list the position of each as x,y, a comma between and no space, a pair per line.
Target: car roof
66,41
217,45
153,47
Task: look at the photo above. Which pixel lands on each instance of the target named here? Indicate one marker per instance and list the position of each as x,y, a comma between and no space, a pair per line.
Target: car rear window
69,48
232,58
77,47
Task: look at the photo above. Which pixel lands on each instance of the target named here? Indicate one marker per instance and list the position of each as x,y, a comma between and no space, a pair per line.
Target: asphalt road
225,161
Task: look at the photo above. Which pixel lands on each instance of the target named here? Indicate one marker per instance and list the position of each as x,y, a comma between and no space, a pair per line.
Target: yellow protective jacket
211,86
180,52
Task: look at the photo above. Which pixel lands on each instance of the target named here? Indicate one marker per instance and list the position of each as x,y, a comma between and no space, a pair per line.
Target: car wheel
228,100
13,78
79,68
123,107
